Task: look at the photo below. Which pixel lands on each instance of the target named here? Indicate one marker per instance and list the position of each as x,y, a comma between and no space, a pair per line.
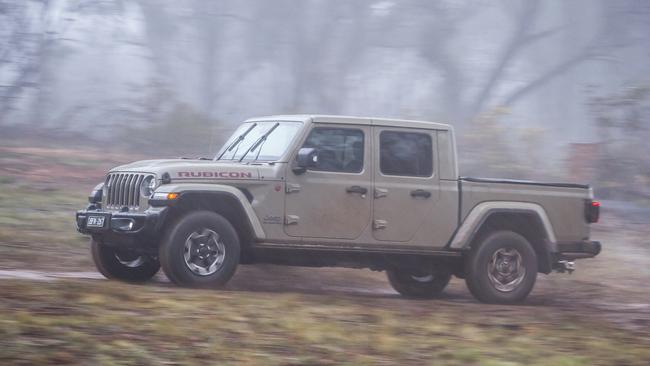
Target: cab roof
322,118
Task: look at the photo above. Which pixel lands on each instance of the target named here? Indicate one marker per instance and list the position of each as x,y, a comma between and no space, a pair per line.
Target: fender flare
480,213
184,188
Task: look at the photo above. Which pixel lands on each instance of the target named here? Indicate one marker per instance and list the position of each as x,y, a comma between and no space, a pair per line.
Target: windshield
241,145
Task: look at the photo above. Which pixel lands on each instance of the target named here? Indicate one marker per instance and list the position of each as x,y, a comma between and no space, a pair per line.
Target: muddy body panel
564,205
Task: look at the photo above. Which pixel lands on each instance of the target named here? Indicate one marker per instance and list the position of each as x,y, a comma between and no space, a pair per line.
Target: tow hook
565,266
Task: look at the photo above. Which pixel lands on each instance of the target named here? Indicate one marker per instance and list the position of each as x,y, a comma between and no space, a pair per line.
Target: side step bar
357,249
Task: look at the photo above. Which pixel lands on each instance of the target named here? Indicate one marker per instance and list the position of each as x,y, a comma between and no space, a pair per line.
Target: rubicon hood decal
204,171
193,169
213,174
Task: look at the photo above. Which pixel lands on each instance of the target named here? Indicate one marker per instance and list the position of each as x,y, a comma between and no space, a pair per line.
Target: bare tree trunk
16,52
519,39
538,82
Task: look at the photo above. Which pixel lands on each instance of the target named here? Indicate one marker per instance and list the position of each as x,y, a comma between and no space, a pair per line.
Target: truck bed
563,202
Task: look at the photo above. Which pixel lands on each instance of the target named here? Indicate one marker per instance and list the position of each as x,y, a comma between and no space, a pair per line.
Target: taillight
592,211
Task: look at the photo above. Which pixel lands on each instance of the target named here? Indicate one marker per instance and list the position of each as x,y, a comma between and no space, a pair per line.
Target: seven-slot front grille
123,189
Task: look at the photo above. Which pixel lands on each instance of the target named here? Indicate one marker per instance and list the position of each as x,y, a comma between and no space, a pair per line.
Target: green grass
37,227
108,323
41,188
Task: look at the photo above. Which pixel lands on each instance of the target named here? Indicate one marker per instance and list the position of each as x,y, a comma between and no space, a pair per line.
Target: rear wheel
502,268
122,265
200,250
415,284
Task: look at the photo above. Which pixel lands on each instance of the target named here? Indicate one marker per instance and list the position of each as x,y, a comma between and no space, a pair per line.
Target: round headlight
96,195
149,184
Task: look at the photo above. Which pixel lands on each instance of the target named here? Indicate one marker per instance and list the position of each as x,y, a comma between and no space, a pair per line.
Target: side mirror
307,158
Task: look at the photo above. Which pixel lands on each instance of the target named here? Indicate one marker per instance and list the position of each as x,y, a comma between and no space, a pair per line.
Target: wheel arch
228,201
527,219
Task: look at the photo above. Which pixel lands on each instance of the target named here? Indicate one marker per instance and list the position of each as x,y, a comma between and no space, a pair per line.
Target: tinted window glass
339,149
405,153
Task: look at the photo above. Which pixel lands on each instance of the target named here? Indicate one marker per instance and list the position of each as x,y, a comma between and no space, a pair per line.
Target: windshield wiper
237,141
260,140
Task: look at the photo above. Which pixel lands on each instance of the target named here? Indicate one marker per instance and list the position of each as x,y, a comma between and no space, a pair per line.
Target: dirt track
612,287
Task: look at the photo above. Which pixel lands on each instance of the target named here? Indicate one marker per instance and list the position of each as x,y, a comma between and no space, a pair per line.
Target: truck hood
199,170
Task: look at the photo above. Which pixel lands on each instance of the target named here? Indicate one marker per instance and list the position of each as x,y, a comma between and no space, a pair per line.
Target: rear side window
339,149
405,154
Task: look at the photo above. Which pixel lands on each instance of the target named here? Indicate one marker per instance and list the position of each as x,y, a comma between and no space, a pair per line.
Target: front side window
264,140
405,154
339,149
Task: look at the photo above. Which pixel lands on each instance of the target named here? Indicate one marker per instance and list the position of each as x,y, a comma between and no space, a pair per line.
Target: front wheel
200,250
501,269
418,285
121,264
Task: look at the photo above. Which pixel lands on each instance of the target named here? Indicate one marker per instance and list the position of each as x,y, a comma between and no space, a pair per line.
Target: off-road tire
411,285
172,250
110,266
481,255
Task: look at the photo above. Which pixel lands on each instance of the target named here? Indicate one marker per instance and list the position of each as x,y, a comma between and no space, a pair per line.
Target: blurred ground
55,308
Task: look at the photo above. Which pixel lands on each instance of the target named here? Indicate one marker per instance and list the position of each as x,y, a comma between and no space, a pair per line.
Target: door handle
357,189
420,193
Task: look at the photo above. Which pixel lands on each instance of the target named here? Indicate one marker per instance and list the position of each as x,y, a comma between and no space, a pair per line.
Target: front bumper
126,223
579,249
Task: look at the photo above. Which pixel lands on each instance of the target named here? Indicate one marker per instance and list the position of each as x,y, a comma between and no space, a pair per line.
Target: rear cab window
407,154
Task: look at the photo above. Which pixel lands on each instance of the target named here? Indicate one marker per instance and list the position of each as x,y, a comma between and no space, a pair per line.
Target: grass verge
42,186
108,323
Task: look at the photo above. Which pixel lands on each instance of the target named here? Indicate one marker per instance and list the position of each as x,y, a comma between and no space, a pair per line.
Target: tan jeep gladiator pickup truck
313,190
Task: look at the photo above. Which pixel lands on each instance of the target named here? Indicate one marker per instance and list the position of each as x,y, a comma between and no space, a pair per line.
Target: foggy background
552,90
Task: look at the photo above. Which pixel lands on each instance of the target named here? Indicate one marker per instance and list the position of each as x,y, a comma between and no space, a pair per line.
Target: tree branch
540,35
518,41
547,76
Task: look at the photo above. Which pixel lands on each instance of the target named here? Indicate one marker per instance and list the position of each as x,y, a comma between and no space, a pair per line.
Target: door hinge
381,192
292,187
379,224
291,219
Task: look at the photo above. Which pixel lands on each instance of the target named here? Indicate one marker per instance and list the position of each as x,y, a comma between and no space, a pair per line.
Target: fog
517,77
548,90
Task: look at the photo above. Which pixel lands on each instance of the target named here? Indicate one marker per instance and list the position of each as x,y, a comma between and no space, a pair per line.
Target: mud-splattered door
332,199
406,189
